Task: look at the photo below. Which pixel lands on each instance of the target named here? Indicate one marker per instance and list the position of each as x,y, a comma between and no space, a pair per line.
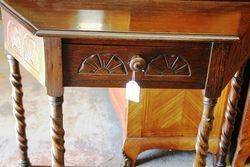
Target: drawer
182,65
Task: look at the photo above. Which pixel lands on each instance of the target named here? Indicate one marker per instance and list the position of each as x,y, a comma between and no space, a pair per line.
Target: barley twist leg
18,110
230,114
204,130
57,131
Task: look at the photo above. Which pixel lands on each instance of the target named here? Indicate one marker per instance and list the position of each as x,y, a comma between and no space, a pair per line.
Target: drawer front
182,65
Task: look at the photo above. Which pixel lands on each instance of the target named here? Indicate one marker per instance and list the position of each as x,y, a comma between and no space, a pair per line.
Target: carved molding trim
13,36
103,63
30,50
168,65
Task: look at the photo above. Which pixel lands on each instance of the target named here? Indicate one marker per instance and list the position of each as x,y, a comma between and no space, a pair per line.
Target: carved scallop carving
103,63
23,43
168,65
13,36
30,50
26,47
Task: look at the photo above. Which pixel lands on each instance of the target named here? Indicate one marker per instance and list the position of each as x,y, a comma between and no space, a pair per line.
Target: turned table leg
205,128
230,114
57,131
18,110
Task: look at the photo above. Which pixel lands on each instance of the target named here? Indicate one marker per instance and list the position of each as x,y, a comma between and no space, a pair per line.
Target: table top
214,19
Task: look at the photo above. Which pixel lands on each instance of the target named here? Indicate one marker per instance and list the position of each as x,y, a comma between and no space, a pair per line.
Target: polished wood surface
18,110
222,25
19,10
230,115
242,152
197,17
164,119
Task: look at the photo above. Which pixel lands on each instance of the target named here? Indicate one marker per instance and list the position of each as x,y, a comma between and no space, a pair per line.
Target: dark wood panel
175,65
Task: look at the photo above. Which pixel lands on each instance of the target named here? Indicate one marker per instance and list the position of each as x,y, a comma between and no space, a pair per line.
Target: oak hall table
99,43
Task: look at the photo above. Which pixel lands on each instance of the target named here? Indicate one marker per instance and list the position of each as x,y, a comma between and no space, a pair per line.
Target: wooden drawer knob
137,63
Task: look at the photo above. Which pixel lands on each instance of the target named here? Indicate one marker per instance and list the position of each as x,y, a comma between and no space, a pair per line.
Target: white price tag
133,91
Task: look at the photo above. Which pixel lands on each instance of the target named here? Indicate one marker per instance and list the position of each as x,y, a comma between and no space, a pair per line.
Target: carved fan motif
22,43
168,65
103,63
13,36
30,50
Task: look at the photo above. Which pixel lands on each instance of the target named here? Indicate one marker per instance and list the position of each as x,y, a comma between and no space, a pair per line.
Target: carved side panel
27,48
168,65
103,63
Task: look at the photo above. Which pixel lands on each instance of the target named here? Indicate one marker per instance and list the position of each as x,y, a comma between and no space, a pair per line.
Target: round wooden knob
137,63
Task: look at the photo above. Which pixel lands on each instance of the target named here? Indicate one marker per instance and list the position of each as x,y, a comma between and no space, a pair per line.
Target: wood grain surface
165,119
214,20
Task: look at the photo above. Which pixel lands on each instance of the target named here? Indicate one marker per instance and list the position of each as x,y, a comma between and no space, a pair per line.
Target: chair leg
205,128
230,114
18,110
57,131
